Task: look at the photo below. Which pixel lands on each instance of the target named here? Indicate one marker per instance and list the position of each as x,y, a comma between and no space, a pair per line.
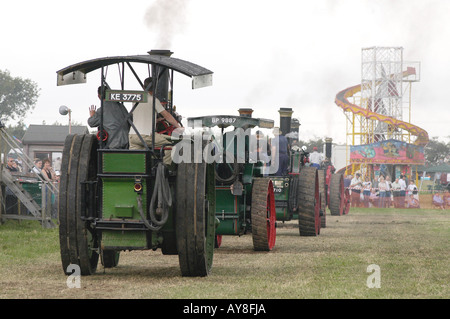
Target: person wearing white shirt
367,187
396,192
388,191
143,121
315,158
412,192
402,184
382,188
355,186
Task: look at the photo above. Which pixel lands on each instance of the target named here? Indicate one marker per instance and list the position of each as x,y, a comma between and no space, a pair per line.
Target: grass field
410,247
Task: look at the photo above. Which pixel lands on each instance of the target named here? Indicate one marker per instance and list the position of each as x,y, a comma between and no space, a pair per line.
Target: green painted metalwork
124,163
119,198
295,162
123,240
228,211
281,191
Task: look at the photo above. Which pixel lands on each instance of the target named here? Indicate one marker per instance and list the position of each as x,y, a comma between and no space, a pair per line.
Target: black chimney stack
295,125
162,74
328,144
285,120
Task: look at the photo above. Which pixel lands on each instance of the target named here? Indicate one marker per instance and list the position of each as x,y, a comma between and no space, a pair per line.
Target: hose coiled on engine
162,194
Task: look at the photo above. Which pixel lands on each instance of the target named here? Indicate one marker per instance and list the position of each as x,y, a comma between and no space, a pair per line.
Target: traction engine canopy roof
76,73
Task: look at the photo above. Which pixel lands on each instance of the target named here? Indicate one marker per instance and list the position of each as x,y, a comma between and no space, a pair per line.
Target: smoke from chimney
166,19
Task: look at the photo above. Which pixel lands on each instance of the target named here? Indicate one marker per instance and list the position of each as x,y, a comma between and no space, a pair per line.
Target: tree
436,151
17,131
17,96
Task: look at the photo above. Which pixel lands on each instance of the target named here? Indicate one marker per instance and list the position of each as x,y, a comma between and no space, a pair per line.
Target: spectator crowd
383,193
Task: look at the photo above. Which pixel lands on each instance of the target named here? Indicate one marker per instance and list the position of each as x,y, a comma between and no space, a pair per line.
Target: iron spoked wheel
263,215
308,202
78,242
323,199
337,195
195,218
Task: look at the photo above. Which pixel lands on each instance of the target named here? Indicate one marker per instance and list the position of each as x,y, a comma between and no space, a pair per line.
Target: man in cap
315,158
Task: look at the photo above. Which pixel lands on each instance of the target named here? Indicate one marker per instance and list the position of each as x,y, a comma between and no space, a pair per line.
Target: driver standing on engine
114,123
143,123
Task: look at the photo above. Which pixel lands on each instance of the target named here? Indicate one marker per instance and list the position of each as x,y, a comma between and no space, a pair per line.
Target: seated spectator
373,199
447,199
413,202
438,201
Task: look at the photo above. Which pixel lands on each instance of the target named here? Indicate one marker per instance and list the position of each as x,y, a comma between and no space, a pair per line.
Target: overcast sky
264,54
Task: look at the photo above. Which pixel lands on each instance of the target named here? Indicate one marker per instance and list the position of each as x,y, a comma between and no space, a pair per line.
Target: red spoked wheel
263,215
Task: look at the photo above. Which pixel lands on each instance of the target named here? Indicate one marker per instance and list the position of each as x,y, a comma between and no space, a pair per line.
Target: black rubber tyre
195,218
308,202
323,198
78,243
263,215
337,196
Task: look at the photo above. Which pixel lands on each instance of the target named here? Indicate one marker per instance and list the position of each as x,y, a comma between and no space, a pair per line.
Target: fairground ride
379,109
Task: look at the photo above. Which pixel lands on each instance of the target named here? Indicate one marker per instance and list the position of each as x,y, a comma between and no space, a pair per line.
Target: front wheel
78,241
263,215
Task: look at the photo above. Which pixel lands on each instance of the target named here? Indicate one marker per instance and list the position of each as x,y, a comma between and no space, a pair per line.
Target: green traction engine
114,200
305,192
244,193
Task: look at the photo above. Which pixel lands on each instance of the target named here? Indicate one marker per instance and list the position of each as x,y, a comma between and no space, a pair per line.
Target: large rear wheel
337,195
263,215
195,220
308,202
78,242
323,198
